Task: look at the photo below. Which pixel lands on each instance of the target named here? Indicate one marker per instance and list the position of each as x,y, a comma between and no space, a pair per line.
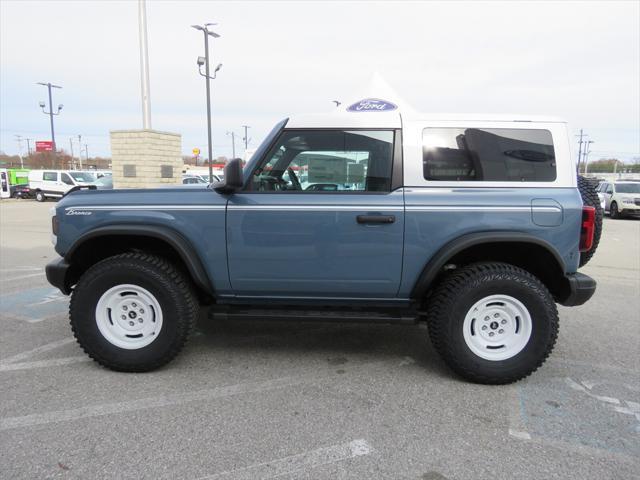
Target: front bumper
581,288
56,271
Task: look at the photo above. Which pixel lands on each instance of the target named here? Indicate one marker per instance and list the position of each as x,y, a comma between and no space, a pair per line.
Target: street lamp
233,143
51,112
205,61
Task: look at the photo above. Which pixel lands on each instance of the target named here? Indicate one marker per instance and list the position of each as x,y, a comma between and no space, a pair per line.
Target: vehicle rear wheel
492,323
613,210
133,312
40,197
590,198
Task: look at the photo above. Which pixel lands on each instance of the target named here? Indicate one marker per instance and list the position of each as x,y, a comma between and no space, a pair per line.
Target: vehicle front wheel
40,197
613,210
133,312
492,323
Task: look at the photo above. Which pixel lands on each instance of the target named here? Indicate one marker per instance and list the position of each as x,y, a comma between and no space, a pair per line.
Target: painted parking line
73,414
21,277
52,362
36,351
296,463
35,304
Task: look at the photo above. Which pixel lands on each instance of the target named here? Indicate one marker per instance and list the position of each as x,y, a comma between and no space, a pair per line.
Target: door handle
376,218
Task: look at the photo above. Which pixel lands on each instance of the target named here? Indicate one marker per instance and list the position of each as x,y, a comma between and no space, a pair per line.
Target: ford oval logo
372,105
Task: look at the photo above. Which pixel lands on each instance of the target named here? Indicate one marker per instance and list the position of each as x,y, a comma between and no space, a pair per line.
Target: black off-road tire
171,288
590,198
460,291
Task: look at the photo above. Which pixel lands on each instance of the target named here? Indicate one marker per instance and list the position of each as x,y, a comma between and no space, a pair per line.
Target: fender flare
441,257
178,242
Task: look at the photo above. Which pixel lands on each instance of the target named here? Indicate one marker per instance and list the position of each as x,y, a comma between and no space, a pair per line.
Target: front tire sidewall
541,332
83,319
613,210
40,197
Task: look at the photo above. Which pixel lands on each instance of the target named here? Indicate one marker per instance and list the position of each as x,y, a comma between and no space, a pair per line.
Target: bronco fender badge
73,211
372,105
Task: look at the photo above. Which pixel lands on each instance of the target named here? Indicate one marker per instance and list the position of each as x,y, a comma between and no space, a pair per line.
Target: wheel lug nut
496,315
123,317
484,327
131,324
486,319
503,322
140,320
124,307
141,311
134,305
501,331
491,334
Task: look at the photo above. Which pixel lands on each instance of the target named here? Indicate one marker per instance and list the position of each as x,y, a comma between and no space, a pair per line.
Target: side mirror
233,178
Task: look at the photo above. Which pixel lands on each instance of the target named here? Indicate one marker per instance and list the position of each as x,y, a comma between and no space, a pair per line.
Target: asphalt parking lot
255,399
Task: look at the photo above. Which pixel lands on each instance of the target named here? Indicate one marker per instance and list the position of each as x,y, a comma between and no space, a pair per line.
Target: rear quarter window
488,154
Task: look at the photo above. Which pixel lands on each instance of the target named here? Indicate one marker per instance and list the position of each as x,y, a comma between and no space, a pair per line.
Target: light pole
50,112
80,150
587,151
246,138
205,61
19,140
233,143
145,89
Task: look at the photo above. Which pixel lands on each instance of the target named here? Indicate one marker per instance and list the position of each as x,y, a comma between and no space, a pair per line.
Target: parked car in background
55,183
21,191
192,179
104,183
621,198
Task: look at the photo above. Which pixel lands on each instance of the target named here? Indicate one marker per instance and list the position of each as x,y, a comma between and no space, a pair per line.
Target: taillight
588,228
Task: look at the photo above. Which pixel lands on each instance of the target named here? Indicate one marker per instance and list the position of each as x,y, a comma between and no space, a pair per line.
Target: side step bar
314,315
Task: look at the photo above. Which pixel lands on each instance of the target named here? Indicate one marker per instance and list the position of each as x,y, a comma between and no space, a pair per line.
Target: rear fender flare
434,266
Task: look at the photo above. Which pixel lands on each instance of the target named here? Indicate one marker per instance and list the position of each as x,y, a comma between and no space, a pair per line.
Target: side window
66,179
488,154
327,161
609,188
50,176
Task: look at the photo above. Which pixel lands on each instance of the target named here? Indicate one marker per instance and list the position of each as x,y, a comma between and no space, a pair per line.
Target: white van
55,183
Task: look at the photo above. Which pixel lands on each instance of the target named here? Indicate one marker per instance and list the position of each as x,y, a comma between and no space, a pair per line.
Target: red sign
44,146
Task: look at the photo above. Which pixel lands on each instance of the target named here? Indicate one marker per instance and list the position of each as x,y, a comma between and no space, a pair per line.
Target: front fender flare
177,241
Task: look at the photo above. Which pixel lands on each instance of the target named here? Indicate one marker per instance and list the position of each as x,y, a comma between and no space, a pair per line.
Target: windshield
83,176
628,187
104,181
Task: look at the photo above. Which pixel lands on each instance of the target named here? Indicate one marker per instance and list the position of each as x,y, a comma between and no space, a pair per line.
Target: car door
608,195
319,217
66,182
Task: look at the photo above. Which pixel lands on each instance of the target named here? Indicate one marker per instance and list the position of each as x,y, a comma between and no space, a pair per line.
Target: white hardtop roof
395,119
379,106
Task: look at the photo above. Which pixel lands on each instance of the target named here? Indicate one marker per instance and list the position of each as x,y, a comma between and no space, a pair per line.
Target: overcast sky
576,60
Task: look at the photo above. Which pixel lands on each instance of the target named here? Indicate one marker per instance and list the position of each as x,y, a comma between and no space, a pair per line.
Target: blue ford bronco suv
476,225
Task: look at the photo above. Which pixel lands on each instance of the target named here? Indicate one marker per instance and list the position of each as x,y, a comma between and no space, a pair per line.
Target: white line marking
520,435
54,297
39,274
53,362
295,463
21,269
580,388
517,428
44,348
144,403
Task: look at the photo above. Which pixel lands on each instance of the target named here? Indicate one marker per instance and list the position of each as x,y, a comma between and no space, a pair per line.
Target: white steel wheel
498,327
129,316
